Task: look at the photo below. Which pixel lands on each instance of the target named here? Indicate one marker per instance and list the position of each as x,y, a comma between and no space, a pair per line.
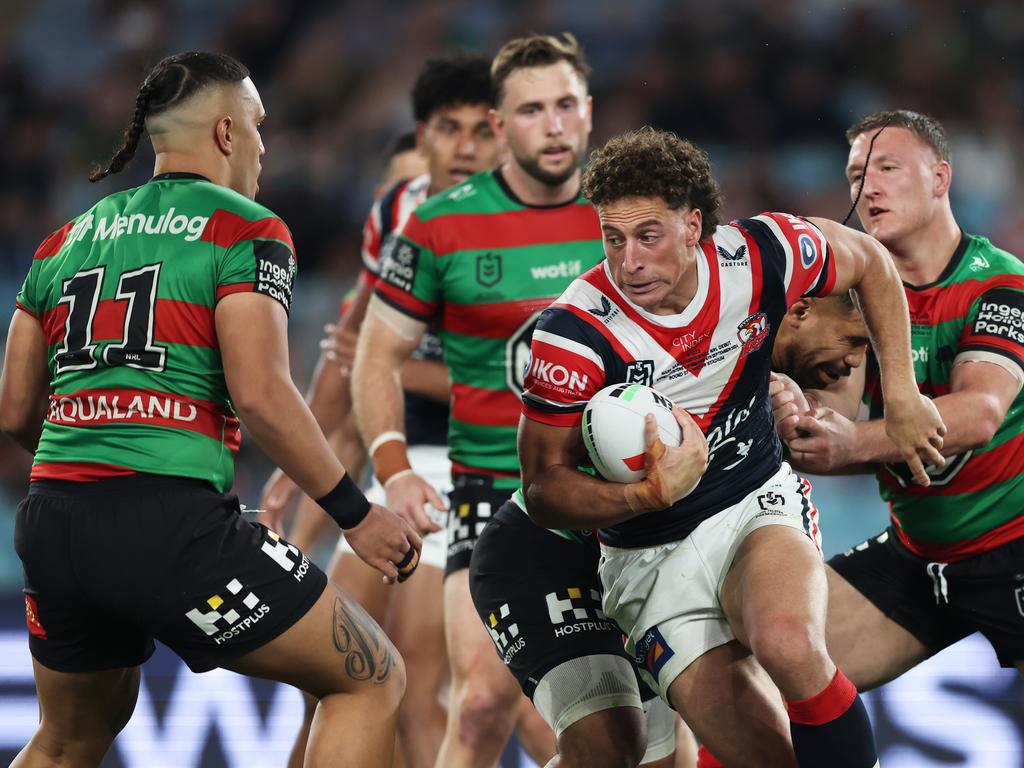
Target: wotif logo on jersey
140,224
561,269
557,375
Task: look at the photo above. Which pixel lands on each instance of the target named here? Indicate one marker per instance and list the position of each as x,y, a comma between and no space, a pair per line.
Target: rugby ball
613,429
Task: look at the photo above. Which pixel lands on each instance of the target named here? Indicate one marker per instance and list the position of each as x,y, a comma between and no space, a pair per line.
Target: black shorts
539,596
941,603
471,503
111,565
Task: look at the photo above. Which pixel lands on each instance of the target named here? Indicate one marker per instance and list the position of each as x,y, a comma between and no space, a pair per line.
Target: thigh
757,592
334,647
882,598
539,597
416,625
362,582
83,708
870,648
725,693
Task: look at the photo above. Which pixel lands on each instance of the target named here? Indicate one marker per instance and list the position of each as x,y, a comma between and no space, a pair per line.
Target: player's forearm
564,497
884,305
428,378
971,420
329,396
278,419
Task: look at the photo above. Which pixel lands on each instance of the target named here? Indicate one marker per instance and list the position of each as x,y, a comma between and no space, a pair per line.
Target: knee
483,715
620,743
785,642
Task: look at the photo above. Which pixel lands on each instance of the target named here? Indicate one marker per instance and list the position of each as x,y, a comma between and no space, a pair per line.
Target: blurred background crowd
767,86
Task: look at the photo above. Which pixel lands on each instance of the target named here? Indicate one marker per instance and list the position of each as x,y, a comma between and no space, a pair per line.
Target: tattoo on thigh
368,654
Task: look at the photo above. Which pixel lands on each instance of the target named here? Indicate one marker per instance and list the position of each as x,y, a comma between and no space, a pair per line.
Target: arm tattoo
368,654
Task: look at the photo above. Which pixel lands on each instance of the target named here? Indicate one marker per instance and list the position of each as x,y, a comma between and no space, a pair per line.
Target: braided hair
169,83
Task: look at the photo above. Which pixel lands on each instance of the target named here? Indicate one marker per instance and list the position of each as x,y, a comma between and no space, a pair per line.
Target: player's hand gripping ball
613,429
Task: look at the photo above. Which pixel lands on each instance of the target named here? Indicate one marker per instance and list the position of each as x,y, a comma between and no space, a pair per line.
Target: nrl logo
488,269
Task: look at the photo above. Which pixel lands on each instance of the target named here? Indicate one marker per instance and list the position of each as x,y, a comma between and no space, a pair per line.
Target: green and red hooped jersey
974,311
125,294
483,265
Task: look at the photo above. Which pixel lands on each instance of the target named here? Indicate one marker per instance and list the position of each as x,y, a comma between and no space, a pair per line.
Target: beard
533,167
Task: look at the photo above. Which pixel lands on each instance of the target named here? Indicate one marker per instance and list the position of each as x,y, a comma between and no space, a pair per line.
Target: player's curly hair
452,81
927,129
652,163
170,82
537,51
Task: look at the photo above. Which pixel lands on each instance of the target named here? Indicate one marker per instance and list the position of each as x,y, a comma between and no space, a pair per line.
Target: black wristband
345,503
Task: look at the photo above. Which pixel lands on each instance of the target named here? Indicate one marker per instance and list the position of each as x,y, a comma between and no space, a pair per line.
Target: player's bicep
387,333
25,379
252,334
543,446
989,378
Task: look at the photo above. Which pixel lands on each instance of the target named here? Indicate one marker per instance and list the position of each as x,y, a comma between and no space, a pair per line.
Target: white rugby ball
613,429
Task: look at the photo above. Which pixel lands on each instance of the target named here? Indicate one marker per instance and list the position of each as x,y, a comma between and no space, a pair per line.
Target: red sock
706,760
825,706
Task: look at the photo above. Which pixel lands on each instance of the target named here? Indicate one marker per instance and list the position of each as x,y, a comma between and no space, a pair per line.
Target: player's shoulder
474,195
982,258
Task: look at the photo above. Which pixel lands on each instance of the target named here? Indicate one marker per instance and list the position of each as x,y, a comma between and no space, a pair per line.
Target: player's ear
694,222
943,177
222,135
496,123
797,312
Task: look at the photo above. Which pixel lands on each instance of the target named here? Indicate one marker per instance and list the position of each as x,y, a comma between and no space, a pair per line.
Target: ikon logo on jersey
557,376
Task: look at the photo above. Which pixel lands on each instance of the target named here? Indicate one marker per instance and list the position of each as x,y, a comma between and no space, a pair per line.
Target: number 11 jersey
125,295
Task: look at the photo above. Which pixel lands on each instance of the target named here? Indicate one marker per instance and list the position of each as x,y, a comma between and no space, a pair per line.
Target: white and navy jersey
386,219
713,359
426,420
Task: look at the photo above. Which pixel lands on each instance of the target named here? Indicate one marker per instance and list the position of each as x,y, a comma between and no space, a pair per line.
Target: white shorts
665,598
432,464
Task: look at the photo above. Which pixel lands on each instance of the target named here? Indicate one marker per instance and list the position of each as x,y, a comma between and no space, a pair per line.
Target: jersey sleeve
29,298
410,279
564,370
798,252
994,331
259,256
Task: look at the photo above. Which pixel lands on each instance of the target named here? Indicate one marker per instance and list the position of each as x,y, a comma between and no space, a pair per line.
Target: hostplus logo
505,633
223,621
578,611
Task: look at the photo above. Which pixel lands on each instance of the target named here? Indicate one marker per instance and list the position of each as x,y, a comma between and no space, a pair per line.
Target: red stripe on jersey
560,375
77,471
458,468
51,246
26,310
702,327
961,550
492,321
89,407
756,285
485,407
227,290
404,301
225,229
1012,348
371,240
176,322
552,418
998,465
943,303
588,318
510,229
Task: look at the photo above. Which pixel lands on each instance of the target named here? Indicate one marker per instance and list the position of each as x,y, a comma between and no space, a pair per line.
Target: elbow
256,397
983,428
537,511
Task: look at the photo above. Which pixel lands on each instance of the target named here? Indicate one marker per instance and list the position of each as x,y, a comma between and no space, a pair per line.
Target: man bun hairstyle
452,81
652,163
169,83
927,129
537,51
